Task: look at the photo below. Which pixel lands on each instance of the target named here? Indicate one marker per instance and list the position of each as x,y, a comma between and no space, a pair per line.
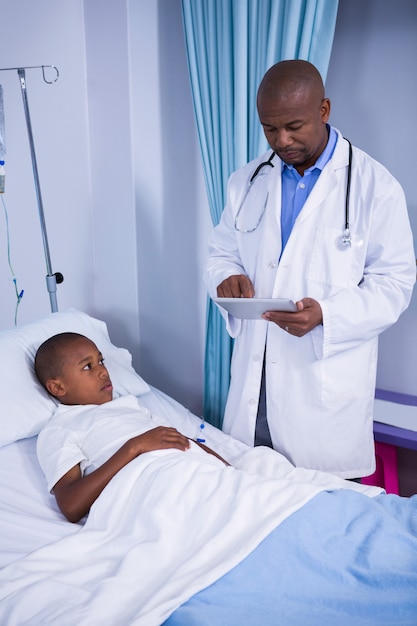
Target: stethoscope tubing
346,237
349,175
260,166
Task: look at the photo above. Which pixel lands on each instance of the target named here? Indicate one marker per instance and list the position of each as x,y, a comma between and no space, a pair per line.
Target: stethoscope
346,238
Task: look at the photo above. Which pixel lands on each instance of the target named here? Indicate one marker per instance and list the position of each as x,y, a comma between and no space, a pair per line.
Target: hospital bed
302,548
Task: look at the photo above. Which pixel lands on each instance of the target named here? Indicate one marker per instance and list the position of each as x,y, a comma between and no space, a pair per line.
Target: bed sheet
29,516
342,559
167,525
342,554
320,566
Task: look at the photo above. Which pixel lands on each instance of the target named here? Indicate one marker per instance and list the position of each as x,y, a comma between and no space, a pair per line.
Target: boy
86,443
173,521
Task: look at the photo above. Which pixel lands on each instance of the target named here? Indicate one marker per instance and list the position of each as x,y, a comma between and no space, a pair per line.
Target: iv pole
52,279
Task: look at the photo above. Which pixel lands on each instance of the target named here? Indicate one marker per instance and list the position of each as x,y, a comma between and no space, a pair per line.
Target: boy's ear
55,387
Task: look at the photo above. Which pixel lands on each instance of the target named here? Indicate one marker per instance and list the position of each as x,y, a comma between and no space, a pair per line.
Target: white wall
113,195
172,215
120,170
35,33
372,83
149,230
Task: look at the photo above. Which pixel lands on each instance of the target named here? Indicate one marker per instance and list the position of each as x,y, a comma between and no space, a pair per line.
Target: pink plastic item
386,473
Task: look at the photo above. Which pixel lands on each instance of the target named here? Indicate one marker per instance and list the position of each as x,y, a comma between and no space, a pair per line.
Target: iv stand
52,279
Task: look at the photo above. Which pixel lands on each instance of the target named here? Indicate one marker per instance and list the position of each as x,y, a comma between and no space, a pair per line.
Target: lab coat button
256,357
252,401
272,265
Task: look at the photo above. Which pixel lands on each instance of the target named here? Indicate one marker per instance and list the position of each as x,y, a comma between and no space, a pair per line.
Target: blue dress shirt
296,188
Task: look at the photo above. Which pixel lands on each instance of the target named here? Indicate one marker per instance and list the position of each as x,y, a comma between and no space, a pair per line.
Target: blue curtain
230,44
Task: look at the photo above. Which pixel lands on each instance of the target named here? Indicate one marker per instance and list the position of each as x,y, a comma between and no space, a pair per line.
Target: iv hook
50,82
35,67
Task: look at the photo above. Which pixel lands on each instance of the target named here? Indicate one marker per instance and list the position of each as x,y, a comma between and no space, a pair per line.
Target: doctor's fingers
236,286
309,314
293,323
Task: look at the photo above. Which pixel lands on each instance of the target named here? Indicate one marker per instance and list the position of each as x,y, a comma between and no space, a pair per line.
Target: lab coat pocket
349,376
332,262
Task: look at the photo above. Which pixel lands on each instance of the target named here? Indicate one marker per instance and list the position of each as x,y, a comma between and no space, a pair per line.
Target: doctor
327,226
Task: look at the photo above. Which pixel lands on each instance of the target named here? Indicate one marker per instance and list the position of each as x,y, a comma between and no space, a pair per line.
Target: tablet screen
252,308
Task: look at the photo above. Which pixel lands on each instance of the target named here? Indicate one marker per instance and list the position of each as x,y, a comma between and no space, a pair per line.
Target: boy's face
84,378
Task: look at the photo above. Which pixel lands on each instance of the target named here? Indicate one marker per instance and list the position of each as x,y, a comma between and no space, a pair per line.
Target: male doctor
303,382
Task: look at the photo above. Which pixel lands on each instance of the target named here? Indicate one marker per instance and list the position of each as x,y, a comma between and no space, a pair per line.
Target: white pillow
25,406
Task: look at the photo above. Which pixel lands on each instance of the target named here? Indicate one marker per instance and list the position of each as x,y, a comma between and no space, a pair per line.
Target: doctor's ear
325,109
55,388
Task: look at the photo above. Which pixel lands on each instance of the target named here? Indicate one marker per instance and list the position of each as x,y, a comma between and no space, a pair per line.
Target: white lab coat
320,387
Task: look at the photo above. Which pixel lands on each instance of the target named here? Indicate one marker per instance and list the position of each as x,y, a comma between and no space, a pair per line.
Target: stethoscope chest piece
345,240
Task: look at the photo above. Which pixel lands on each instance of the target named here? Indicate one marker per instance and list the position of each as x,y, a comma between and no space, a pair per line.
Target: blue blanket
342,559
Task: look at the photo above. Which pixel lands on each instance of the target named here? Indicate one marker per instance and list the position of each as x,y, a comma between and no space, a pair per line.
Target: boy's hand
75,493
159,438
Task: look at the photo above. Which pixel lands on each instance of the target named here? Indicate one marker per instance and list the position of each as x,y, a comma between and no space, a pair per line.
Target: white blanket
167,525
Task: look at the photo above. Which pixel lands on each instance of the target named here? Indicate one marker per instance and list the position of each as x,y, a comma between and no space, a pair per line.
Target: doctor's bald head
294,111
291,79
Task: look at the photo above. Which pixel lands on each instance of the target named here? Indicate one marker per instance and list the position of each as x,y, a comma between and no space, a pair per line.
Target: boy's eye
89,366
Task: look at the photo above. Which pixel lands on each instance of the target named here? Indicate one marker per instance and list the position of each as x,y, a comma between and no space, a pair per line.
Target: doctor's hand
300,322
237,286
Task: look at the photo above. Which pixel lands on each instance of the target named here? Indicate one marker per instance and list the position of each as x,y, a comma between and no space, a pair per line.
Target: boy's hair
50,356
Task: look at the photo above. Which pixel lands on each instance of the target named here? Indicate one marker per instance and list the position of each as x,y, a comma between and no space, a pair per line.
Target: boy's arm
210,451
75,494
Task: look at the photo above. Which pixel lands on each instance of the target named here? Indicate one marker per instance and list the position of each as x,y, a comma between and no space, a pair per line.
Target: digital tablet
252,308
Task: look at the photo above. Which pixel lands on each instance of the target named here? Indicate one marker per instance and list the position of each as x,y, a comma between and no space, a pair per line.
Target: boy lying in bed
72,370
258,541
92,436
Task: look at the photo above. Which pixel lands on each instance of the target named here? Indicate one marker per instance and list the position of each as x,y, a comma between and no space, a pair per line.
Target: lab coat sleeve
224,258
361,312
223,252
